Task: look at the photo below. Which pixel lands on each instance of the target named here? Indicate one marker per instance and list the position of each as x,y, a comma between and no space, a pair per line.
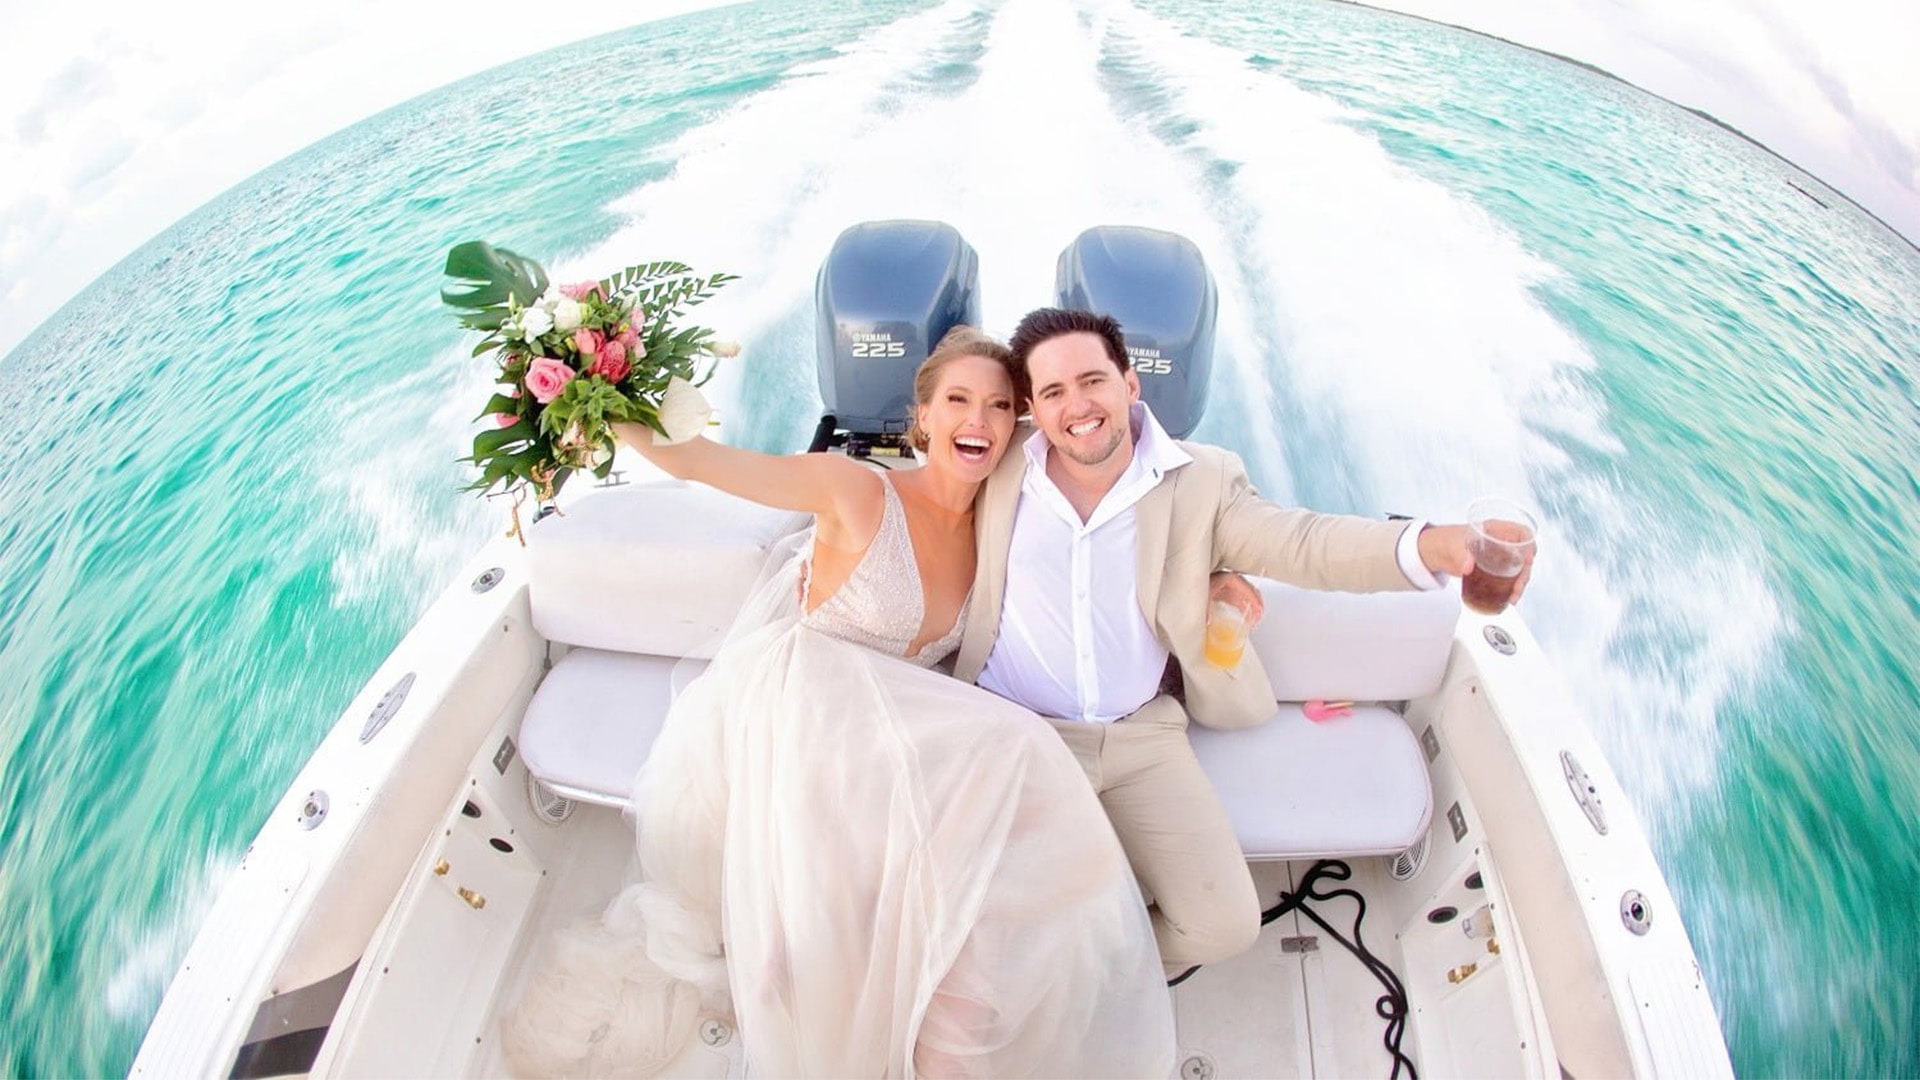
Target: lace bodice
883,602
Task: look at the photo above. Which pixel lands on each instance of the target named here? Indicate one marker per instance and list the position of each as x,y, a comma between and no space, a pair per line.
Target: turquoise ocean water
1447,266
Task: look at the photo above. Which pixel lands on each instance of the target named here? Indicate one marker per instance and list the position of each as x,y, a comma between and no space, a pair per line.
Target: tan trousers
1174,830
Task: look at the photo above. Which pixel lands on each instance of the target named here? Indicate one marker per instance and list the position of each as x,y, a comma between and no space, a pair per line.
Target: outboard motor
1157,285
888,292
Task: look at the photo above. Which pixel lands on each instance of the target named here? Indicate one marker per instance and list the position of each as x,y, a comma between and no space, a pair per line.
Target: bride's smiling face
968,419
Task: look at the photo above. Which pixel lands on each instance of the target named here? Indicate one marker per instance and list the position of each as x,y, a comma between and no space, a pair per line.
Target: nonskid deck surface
1295,1005
599,860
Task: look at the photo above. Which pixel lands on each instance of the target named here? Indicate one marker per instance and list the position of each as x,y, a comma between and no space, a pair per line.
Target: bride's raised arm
841,493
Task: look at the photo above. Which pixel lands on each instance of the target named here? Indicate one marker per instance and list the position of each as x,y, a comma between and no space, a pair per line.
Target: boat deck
1295,1005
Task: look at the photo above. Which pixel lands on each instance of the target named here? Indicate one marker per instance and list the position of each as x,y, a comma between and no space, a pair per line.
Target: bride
877,869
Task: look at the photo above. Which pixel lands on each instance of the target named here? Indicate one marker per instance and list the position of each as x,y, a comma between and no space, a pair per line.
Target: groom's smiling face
1081,398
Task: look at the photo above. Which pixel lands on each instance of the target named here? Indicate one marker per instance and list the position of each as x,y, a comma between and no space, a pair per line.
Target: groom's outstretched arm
1299,547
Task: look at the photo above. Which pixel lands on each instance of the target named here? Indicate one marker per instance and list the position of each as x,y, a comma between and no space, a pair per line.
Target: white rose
566,315
535,321
684,412
725,350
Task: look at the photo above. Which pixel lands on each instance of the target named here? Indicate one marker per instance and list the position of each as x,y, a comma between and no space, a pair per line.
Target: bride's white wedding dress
879,870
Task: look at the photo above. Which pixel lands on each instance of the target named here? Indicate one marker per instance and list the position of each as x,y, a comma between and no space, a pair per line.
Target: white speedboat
1458,884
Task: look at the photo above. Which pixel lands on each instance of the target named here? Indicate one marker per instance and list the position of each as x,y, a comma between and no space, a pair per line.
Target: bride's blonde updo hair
958,342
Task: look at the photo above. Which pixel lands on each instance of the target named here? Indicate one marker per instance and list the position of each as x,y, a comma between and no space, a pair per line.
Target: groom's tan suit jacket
1203,516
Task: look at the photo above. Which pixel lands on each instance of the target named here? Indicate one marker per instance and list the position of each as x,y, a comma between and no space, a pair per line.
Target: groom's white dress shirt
1073,643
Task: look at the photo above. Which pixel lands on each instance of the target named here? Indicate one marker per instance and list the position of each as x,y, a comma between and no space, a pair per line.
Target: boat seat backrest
1349,786
641,583
658,568
1340,646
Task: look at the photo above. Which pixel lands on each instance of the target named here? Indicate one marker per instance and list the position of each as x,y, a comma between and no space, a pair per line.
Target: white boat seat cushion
1352,785
658,568
593,720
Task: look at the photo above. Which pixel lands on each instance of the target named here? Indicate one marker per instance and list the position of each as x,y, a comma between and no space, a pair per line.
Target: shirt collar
1153,448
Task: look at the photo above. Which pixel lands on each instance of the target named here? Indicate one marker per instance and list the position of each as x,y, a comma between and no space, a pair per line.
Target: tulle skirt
876,869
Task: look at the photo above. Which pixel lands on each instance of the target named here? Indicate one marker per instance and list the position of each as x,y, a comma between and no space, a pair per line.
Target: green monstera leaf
489,281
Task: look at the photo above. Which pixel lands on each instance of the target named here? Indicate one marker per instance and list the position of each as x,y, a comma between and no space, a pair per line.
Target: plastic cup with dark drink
1500,536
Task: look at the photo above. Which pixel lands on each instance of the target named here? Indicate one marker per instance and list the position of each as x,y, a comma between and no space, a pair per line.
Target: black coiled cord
1392,1005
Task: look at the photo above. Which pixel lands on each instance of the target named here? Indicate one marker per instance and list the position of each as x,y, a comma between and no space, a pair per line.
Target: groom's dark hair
1047,323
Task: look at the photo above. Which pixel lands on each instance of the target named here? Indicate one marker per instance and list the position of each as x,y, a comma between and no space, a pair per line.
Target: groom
1095,546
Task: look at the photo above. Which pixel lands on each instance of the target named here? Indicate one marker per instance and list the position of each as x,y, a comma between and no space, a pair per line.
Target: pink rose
546,377
613,350
505,419
611,369
580,290
629,337
588,341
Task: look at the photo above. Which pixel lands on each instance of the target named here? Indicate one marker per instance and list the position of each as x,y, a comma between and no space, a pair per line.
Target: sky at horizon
120,124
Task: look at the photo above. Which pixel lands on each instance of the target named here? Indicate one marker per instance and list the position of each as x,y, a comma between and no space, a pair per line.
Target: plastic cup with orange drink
1226,634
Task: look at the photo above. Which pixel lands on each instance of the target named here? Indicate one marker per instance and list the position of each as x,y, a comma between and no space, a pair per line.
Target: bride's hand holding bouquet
577,359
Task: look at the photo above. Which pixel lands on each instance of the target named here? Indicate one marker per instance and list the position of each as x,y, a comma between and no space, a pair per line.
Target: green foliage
591,403
491,282
667,298
633,277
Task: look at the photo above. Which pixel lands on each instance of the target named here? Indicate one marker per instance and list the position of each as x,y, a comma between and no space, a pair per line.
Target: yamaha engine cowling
888,292
1157,285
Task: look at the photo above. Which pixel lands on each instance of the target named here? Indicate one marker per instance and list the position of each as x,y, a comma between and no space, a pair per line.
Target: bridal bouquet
576,359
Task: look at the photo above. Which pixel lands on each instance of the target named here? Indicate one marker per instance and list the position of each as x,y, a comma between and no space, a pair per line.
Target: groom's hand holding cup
1492,554
1234,608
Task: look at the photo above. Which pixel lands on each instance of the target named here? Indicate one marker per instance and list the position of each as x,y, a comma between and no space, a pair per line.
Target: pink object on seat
1318,709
